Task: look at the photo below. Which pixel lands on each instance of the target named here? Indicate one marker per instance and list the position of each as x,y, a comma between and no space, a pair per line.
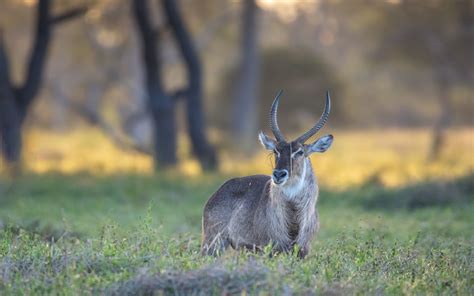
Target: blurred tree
15,100
162,104
193,91
245,107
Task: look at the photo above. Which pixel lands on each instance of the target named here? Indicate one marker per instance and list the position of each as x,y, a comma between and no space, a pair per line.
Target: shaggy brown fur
280,211
252,212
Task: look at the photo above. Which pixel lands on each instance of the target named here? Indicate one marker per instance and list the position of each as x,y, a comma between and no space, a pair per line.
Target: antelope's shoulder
239,187
243,187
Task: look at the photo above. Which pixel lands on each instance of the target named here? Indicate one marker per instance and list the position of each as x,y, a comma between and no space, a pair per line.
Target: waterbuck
278,211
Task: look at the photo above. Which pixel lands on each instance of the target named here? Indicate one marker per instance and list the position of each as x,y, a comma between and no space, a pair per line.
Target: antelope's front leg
303,251
306,234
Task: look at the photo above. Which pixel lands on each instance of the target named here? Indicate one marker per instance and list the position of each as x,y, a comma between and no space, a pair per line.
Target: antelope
279,211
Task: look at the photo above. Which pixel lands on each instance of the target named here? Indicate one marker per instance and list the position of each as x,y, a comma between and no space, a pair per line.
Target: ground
391,222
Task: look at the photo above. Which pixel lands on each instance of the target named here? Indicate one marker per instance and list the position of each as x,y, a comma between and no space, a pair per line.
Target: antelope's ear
267,142
320,145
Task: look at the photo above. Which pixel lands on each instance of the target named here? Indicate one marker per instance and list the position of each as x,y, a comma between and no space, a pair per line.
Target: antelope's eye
299,153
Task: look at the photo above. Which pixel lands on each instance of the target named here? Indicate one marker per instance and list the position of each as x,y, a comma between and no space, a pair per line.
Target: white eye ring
277,153
297,152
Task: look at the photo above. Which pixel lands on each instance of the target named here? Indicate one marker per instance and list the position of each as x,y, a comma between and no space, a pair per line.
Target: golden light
287,10
30,2
109,38
93,15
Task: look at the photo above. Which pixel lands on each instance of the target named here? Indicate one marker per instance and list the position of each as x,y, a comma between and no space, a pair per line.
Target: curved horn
273,118
321,122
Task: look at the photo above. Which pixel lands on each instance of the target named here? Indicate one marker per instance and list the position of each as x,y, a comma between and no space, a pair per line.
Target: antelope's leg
306,234
214,245
303,251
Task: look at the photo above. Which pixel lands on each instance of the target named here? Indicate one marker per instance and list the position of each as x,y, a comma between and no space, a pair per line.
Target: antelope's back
235,192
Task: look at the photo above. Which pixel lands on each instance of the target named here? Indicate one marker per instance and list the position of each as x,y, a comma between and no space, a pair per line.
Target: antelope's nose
279,176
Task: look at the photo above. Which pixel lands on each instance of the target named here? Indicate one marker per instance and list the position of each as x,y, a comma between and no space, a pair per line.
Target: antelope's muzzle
279,176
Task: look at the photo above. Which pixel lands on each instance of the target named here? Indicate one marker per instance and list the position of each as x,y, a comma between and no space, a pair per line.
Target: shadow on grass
457,192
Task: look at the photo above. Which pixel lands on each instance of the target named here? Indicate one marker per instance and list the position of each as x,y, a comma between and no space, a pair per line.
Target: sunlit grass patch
389,157
79,150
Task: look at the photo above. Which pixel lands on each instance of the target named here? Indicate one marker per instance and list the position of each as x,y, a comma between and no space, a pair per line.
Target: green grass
130,234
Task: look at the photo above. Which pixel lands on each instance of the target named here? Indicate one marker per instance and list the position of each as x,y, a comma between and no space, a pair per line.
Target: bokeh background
112,107
396,67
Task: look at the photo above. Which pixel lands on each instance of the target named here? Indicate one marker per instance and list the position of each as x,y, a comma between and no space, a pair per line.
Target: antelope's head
290,157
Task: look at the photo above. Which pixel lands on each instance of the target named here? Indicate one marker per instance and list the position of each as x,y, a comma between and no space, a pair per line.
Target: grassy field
391,223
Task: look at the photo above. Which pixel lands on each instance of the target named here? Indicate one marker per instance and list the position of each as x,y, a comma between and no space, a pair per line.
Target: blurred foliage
426,34
372,55
304,77
412,49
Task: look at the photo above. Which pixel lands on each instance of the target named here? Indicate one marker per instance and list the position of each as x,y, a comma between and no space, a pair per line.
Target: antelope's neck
290,210
301,189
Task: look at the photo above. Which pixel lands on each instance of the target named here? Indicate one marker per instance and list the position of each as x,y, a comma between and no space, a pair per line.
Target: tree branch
204,37
68,15
38,55
95,119
161,30
149,37
4,63
39,51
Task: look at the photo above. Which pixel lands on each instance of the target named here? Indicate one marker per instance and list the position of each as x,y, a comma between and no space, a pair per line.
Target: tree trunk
10,126
15,101
445,75
162,107
445,116
245,115
164,128
38,55
194,111
10,123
